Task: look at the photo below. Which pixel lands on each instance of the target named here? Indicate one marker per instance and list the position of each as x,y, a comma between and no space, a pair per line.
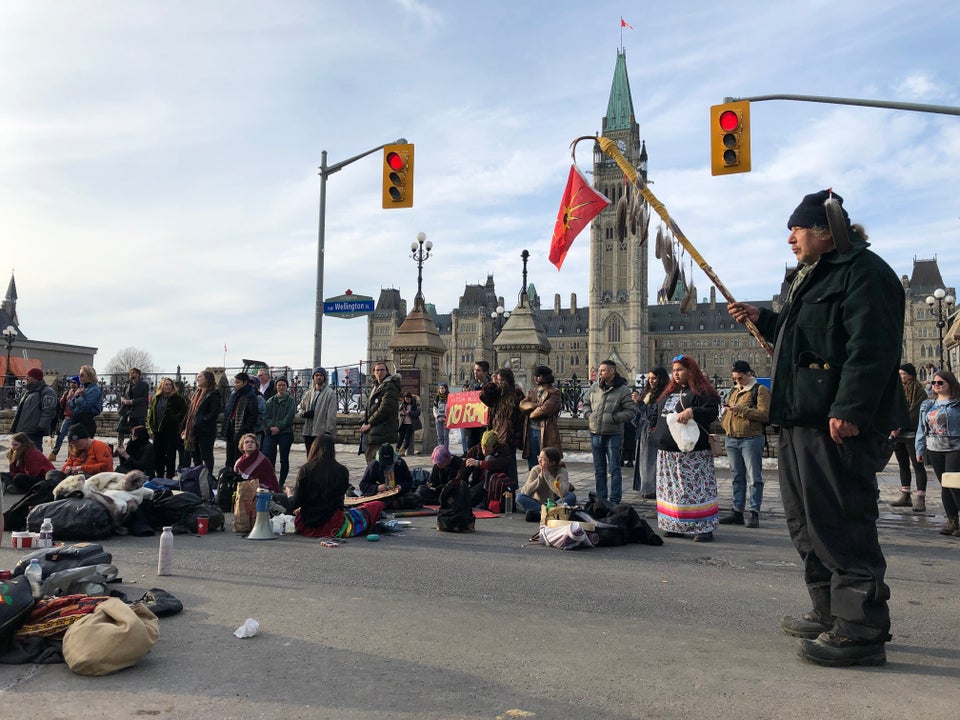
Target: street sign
348,306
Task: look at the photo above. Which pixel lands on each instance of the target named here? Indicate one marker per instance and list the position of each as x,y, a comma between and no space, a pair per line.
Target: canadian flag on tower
625,24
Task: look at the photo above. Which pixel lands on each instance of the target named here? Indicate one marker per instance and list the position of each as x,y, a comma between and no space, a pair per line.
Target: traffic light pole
325,172
916,107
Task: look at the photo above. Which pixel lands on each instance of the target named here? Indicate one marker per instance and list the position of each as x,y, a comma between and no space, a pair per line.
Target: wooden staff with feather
609,147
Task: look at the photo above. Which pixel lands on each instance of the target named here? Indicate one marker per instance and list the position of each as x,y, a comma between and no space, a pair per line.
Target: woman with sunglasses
687,503
938,435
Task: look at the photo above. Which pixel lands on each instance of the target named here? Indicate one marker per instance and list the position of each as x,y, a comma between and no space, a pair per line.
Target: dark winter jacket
37,410
838,345
138,392
173,416
706,408
383,405
319,491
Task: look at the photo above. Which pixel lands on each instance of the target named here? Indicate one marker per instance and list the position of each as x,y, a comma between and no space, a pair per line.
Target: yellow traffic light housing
398,176
730,138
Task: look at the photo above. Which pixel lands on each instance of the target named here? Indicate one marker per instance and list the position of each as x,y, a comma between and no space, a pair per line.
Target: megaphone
261,528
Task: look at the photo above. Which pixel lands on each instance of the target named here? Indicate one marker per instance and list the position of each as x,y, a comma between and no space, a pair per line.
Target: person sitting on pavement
386,472
446,467
88,455
548,481
316,499
27,464
254,464
137,454
488,458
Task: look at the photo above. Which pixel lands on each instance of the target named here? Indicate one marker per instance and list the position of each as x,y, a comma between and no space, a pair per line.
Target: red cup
202,524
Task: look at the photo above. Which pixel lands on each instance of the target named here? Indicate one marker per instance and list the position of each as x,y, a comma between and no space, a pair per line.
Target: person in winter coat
387,471
240,415
87,454
607,407
409,424
278,427
541,408
37,410
904,442
87,402
165,418
446,467
440,414
200,427
548,481
73,384
380,417
318,408
134,400
27,464
505,418
254,464
138,453
645,467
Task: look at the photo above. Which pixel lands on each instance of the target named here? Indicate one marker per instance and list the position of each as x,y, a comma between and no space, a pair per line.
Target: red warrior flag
580,204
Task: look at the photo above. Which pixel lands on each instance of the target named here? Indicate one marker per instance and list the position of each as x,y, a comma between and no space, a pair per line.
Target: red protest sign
464,410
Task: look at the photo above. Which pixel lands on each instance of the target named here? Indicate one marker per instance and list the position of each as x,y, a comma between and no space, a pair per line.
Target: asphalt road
432,625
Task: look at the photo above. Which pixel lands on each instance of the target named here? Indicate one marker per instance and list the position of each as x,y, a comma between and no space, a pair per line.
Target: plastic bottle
165,558
549,503
46,533
34,574
508,503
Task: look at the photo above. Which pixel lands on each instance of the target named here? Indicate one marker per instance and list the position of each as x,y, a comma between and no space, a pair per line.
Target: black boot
808,625
833,650
734,518
754,520
903,500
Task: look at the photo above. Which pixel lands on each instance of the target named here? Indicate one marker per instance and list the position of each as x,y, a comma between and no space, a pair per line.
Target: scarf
192,412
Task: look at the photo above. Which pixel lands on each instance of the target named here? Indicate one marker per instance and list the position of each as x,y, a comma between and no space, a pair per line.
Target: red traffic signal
730,138
398,176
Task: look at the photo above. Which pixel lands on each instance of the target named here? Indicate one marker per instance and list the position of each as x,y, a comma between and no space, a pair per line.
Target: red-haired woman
686,481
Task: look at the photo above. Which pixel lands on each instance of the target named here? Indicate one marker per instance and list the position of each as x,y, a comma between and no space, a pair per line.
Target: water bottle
34,575
508,503
46,533
165,558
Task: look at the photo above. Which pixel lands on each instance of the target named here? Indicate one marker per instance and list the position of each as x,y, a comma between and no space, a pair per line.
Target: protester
484,460
266,385
379,425
138,453
316,499
503,398
386,472
87,455
318,408
938,435
87,402
73,383
541,408
440,414
645,468
836,395
409,424
134,399
904,442
37,409
548,481
278,427
469,437
165,418
686,480
200,426
254,464
446,468
744,421
607,407
239,415
27,465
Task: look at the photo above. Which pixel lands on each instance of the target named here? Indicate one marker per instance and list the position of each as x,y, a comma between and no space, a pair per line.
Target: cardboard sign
464,410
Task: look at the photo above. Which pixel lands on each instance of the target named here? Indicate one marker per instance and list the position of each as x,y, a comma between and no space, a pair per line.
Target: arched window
613,330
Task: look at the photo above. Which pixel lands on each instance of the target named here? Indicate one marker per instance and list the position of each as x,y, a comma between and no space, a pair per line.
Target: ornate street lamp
420,251
9,335
499,316
939,299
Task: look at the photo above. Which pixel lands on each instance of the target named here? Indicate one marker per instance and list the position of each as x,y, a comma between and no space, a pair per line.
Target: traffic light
730,138
398,176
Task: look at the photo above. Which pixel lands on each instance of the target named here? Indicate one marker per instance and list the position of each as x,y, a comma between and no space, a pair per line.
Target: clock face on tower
622,145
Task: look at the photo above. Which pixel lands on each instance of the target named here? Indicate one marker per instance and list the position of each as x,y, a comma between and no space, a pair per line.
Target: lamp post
420,252
9,334
939,299
499,316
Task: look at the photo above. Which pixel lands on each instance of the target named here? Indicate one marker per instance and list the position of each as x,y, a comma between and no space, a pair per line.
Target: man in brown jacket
745,414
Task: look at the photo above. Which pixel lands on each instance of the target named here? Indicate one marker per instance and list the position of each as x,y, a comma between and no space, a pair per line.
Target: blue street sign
348,306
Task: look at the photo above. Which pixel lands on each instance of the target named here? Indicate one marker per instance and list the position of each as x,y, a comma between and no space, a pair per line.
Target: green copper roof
620,107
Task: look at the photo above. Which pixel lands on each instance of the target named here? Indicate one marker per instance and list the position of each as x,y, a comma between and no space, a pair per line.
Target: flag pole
609,147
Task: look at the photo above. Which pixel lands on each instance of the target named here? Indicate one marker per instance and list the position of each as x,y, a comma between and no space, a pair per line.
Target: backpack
420,477
497,484
226,487
456,508
196,479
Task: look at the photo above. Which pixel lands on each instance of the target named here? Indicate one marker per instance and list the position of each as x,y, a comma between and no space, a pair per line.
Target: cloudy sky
158,160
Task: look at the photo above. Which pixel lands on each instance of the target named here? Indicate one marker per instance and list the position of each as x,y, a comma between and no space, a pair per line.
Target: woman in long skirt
687,504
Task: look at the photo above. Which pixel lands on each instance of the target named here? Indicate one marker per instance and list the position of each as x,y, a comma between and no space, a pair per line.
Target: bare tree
130,357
